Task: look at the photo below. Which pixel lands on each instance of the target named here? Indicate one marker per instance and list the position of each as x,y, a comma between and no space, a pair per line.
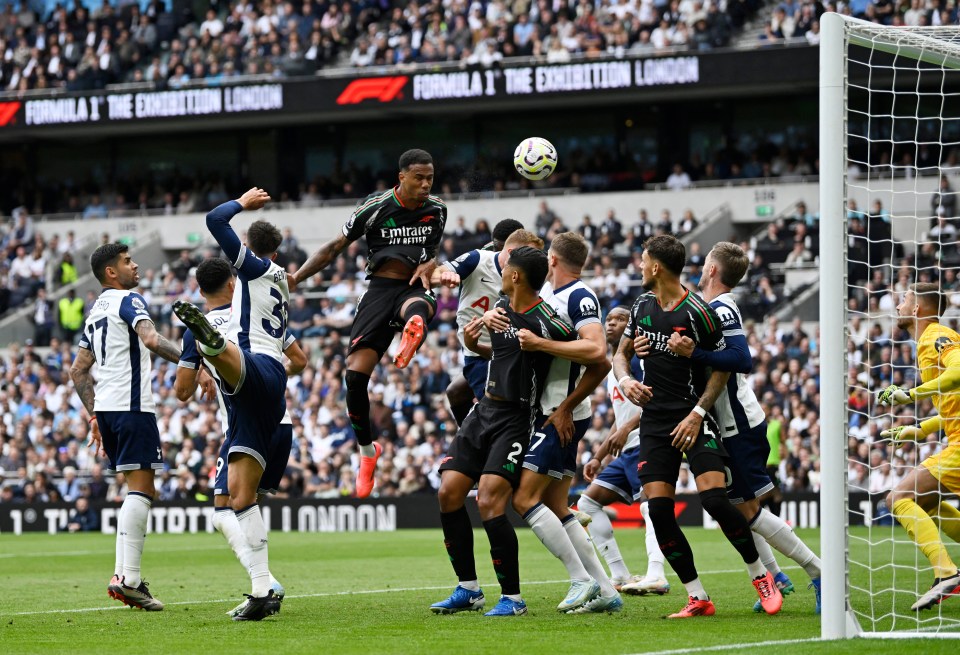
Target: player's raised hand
641,346
449,279
902,433
255,198
496,319
680,345
528,340
893,395
637,392
562,420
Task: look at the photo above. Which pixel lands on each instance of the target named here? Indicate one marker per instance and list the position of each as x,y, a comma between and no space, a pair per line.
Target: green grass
369,593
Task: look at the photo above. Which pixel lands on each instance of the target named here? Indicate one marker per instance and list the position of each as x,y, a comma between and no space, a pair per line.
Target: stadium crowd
42,453
116,42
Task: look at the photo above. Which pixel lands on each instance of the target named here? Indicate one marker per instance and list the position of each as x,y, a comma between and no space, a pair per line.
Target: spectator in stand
588,230
42,318
688,223
95,209
799,256
83,518
611,232
665,224
678,179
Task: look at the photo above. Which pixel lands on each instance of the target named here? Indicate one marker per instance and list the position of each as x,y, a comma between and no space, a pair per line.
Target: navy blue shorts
546,456
276,463
748,464
257,406
131,440
621,477
475,371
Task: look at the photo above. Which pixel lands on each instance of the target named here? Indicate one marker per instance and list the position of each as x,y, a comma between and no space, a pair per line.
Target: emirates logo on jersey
404,236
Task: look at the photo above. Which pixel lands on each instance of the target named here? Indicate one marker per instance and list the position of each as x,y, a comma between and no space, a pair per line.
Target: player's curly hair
533,263
263,238
414,157
506,227
668,250
106,255
213,274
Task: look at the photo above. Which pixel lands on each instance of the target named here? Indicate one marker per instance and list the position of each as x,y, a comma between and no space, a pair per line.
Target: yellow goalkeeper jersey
937,350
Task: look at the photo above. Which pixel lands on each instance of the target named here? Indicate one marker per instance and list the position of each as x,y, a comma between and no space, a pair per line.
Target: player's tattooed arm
83,379
318,260
715,386
156,342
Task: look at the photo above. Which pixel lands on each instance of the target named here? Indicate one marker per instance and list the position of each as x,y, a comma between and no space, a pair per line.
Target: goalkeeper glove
894,395
902,433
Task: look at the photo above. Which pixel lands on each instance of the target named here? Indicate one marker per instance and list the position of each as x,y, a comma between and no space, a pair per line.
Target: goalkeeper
917,500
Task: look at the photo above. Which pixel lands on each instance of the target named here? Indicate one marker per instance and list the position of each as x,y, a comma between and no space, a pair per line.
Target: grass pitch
369,593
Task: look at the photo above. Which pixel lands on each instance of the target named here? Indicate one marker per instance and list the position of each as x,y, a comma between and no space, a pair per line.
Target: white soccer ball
535,158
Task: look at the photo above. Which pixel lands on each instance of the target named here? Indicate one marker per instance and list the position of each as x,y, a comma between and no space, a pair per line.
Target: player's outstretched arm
734,358
318,260
218,220
947,382
590,348
156,342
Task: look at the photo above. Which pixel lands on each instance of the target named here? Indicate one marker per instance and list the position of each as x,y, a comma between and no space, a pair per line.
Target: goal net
890,140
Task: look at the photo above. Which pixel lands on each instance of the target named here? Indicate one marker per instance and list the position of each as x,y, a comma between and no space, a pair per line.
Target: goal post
888,96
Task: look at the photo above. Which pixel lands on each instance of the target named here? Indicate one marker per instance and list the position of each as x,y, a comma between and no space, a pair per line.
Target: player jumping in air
118,336
917,500
249,363
676,394
742,421
618,481
403,228
480,281
489,446
217,286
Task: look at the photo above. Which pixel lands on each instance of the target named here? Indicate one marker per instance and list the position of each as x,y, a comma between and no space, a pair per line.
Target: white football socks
779,535
118,562
588,555
255,532
766,553
225,520
368,450
549,530
602,532
695,589
655,558
133,528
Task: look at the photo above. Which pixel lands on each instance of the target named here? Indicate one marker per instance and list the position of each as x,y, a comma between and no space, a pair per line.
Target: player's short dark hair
619,308
505,228
668,250
213,274
733,262
533,263
930,295
571,248
524,238
106,255
414,157
263,238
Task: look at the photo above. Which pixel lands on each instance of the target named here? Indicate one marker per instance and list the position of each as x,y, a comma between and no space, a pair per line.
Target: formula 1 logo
383,89
8,110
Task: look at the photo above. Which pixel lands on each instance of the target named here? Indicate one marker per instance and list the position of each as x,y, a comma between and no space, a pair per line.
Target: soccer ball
535,158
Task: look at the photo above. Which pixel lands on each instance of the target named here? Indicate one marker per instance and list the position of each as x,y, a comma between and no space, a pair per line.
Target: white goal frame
838,621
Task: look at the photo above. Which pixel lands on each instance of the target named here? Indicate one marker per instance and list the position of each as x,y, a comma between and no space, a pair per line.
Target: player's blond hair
524,238
732,261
